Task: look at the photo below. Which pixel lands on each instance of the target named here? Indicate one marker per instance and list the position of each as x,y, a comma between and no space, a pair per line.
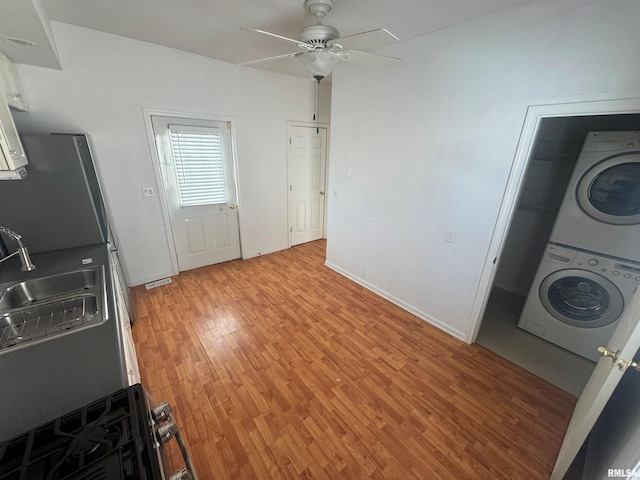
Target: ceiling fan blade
366,41
370,59
280,37
277,57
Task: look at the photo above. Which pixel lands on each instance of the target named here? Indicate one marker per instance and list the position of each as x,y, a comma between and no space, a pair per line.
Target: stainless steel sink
34,290
43,307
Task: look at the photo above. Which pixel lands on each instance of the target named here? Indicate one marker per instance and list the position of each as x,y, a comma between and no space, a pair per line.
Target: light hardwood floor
278,367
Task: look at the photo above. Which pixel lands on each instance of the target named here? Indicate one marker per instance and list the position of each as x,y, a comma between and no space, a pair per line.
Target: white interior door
196,161
603,381
307,164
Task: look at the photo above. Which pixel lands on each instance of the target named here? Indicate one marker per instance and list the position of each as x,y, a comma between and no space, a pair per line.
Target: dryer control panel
611,141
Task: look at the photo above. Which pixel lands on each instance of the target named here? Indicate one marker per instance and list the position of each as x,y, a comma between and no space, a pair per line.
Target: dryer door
581,298
610,190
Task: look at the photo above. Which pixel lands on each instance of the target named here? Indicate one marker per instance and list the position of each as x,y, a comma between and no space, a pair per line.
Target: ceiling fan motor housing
318,35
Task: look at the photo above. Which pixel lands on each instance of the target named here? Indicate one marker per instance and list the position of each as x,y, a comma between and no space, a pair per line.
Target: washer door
581,298
610,190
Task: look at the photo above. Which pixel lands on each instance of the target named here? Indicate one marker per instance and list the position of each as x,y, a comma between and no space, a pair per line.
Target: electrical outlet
148,192
450,236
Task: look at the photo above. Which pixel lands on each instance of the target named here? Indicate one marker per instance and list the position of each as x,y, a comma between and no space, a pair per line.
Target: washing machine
600,211
577,297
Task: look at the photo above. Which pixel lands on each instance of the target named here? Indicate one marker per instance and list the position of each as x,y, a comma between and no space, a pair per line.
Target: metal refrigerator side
58,205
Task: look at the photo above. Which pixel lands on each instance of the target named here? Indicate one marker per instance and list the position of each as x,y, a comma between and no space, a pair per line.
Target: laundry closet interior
569,264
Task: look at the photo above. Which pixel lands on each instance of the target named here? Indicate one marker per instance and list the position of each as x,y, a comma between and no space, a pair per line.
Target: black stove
112,438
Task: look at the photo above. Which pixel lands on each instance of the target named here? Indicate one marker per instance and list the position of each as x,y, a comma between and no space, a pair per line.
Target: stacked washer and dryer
591,265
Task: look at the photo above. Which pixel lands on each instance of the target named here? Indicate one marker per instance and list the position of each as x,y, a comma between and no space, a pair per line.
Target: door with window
196,161
307,164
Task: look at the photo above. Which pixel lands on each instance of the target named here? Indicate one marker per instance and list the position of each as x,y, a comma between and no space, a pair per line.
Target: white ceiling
213,27
27,20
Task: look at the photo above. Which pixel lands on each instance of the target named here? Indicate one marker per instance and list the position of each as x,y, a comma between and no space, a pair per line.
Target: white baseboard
405,306
247,256
143,281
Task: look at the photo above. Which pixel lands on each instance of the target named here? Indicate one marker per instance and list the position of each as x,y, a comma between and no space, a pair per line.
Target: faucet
22,252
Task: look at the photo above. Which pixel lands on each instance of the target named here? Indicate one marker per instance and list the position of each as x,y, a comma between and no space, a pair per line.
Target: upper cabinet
12,157
11,85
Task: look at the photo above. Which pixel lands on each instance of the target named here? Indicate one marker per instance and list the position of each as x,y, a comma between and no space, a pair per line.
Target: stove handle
183,474
190,471
168,430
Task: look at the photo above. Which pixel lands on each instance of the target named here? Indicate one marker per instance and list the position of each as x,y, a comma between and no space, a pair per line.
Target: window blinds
197,153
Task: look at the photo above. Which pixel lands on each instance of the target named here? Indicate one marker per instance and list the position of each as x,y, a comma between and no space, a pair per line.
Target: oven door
169,445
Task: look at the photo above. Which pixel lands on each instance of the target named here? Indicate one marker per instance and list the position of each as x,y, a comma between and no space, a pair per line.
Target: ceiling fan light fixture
323,46
319,62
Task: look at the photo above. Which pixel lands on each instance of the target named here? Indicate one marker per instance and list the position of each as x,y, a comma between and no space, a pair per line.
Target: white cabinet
11,85
12,157
131,360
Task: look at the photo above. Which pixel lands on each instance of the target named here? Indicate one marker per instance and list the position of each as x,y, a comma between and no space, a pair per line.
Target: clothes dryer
577,297
600,211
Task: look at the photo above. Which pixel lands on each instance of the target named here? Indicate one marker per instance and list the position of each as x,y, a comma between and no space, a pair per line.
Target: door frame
157,170
326,174
524,152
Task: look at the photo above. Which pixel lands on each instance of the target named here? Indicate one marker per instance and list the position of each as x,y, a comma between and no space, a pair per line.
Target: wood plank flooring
278,367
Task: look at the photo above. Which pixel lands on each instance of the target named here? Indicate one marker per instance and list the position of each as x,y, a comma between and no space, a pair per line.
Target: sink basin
43,307
34,290
19,326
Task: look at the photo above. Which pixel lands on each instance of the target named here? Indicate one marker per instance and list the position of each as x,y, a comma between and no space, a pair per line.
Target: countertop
47,379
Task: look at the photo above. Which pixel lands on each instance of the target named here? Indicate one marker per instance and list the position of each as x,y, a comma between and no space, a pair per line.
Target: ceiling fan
322,47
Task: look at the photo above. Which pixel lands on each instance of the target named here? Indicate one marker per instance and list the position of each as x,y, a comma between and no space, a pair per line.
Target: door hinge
229,125
289,140
291,229
290,188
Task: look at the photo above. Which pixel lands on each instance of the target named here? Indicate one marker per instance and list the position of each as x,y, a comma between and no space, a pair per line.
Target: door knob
607,352
321,193
232,206
622,365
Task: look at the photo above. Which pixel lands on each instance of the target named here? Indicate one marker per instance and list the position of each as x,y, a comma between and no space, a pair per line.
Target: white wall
431,142
105,83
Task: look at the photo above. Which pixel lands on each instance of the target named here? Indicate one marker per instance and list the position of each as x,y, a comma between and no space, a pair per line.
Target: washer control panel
627,270
608,266
619,269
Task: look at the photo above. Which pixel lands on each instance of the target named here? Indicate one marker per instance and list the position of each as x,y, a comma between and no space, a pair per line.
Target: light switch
450,236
